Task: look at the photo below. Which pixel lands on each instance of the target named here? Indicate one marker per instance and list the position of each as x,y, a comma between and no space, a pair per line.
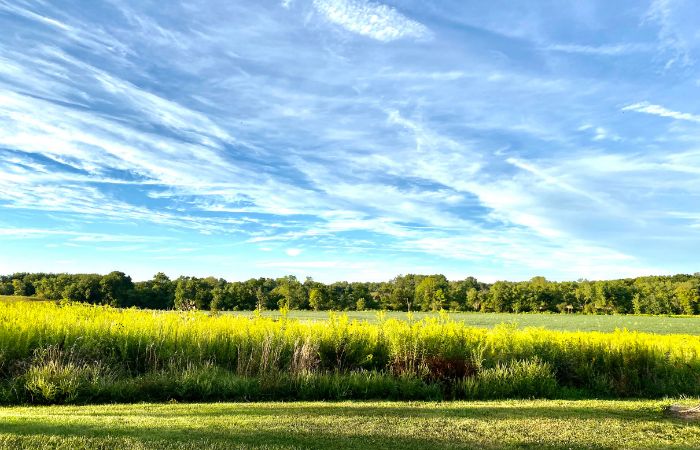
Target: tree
584,297
194,293
221,298
261,299
473,299
291,293
6,287
116,288
430,293
163,291
21,287
340,296
318,299
676,294
688,294
538,295
655,295
501,296
403,291
361,297
51,288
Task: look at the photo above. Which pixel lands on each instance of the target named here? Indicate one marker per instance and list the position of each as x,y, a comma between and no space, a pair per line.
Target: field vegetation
72,353
659,324
665,324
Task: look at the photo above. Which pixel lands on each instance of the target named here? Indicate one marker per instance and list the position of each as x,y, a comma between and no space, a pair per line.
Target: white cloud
657,110
296,265
601,50
559,182
444,154
93,38
517,253
677,22
78,236
380,22
293,251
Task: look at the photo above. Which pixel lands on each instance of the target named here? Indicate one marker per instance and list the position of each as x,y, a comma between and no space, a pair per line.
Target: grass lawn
392,425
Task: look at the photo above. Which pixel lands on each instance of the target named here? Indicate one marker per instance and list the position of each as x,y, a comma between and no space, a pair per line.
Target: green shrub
56,376
517,379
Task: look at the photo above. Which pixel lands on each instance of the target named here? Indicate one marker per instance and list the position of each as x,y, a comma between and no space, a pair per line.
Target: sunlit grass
351,425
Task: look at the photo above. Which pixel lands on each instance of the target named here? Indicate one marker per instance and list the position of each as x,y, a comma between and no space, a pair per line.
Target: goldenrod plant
55,353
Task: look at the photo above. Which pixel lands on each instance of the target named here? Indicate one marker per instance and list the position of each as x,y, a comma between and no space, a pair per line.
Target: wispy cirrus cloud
374,20
602,50
661,111
79,236
457,148
677,32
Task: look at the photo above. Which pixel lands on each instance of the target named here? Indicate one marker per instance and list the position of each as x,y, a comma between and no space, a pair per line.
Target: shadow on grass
313,425
359,410
93,436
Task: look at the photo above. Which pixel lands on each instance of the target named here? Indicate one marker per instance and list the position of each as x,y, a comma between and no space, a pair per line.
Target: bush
517,379
56,376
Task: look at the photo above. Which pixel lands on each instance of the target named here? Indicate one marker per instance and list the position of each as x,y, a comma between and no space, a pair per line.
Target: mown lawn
360,425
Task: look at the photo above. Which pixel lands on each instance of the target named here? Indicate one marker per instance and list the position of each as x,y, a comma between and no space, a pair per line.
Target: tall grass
73,353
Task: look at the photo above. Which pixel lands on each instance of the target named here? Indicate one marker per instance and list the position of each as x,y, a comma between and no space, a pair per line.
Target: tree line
677,294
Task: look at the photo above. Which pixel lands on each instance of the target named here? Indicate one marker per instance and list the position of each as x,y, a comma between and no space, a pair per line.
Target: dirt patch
683,412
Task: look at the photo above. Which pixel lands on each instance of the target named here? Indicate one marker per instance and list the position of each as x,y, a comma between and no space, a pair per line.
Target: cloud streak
365,134
374,20
657,110
601,50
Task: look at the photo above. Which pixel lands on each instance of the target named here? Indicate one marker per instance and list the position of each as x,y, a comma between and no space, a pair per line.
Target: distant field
17,298
350,425
562,322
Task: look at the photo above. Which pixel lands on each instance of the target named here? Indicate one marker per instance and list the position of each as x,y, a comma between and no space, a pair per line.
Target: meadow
74,353
548,424
667,324
658,324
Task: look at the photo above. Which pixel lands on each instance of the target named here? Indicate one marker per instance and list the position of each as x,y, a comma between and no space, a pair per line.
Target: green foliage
55,376
678,294
430,293
318,299
516,379
116,288
194,293
77,353
291,293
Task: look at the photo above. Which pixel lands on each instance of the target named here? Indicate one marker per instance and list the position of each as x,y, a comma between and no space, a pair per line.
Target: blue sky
350,139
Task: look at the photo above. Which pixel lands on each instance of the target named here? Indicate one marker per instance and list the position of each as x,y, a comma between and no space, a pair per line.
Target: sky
350,139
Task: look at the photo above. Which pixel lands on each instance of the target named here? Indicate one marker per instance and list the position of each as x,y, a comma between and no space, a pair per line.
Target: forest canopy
677,294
